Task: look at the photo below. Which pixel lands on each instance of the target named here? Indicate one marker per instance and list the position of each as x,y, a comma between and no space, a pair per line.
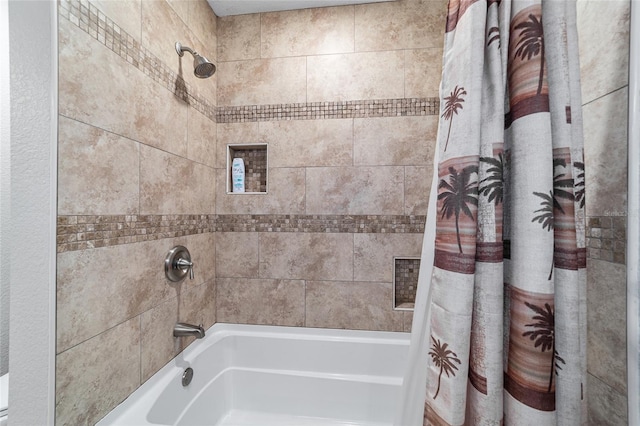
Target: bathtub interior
276,376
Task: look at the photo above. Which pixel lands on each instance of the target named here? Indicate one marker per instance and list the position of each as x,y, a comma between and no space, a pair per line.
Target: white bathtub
285,376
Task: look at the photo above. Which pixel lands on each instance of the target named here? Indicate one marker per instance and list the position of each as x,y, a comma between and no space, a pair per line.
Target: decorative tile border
356,224
606,238
329,110
91,20
87,232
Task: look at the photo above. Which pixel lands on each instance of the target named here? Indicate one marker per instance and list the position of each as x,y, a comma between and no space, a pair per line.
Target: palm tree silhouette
495,181
458,194
579,186
452,104
546,215
532,43
550,202
495,37
560,182
444,359
544,335
546,212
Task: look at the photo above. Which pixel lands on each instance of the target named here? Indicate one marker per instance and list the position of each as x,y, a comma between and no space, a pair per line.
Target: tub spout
182,329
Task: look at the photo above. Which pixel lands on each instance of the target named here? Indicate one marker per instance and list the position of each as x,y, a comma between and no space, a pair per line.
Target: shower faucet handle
178,263
186,263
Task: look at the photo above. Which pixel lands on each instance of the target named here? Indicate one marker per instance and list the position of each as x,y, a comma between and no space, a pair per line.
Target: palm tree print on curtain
457,207
444,359
553,211
531,344
579,186
453,103
528,88
543,336
479,306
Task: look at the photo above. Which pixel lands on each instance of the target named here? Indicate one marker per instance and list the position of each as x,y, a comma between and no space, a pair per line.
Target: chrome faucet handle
186,263
178,263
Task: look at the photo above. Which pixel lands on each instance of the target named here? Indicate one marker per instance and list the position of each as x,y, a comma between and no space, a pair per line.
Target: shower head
202,67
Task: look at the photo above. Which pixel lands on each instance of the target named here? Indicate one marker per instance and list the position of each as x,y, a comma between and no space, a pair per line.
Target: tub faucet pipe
182,329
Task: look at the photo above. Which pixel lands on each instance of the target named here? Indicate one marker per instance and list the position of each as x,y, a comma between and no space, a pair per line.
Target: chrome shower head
202,67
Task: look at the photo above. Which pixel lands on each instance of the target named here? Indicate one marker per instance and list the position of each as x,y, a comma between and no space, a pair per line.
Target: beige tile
201,145
181,8
95,376
417,186
272,302
407,321
310,256
237,254
119,98
194,305
93,295
394,141
603,33
125,13
174,185
302,32
606,316
203,22
308,143
605,406
355,190
239,37
162,27
286,194
345,77
262,81
202,248
373,254
198,305
97,171
423,72
351,305
404,24
235,133
605,151
157,345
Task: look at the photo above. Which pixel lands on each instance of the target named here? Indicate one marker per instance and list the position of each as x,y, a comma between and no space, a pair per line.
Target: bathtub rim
147,392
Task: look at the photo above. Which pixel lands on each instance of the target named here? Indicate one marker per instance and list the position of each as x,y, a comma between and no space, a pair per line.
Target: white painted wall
633,222
33,47
4,185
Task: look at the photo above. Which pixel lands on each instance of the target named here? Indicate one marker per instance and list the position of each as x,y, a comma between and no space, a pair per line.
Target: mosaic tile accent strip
329,110
405,281
255,168
606,238
87,232
91,20
357,224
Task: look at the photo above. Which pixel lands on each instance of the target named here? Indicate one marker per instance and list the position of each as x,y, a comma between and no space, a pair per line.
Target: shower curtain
499,330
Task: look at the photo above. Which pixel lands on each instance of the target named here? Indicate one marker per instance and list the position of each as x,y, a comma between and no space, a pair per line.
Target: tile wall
603,30
347,99
136,176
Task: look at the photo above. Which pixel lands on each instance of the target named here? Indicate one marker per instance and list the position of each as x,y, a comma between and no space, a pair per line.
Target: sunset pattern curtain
506,326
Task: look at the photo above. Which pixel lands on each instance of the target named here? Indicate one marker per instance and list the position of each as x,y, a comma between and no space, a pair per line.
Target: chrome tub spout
182,329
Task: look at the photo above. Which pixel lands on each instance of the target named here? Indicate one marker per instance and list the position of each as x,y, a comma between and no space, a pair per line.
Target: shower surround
345,97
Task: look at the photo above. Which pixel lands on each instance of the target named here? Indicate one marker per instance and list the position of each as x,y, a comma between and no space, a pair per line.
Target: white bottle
237,175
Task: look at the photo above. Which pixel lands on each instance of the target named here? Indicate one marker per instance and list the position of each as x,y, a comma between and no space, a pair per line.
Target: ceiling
242,7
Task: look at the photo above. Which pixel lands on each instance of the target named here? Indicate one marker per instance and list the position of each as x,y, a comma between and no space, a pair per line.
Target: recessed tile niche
405,282
255,167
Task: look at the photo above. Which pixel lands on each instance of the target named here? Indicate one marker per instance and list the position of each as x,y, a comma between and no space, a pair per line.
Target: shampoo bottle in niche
237,175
